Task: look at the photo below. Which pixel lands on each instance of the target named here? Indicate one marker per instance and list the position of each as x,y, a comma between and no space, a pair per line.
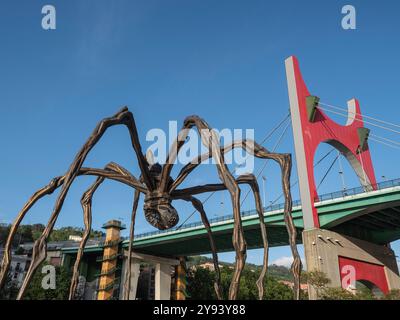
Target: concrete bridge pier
163,274
135,272
346,260
163,281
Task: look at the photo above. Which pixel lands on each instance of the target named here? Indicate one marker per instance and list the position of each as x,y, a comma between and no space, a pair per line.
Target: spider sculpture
159,191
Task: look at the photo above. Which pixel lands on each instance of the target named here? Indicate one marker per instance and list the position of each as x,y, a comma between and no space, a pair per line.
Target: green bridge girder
372,216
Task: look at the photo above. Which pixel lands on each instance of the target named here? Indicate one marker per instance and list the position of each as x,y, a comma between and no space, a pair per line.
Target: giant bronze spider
160,190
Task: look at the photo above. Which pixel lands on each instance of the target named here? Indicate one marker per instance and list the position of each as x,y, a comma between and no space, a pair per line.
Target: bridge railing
358,190
274,207
279,206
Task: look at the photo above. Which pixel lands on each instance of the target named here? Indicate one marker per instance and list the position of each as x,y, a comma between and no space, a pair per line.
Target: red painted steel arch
308,134
365,271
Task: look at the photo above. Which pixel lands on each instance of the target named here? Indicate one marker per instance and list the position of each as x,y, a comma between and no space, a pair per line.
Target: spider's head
155,168
159,211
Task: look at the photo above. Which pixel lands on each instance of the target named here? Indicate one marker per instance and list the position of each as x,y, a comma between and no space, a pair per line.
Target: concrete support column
346,260
135,272
163,281
163,270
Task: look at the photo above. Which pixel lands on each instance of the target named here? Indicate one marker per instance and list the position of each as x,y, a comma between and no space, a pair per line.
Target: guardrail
359,190
280,206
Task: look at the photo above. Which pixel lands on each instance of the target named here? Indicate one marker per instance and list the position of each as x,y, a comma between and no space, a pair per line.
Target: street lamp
341,173
264,179
240,166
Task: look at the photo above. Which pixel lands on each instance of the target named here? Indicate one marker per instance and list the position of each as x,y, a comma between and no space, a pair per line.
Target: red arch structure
311,126
372,273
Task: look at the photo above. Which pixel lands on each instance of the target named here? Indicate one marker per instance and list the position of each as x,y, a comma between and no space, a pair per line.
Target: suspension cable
386,139
359,120
389,142
327,172
265,139
362,115
262,142
341,171
297,180
276,128
266,161
384,143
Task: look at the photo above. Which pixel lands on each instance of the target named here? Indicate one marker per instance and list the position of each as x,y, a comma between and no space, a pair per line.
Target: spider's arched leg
211,141
127,284
124,117
252,182
49,189
86,202
113,172
199,207
296,267
285,163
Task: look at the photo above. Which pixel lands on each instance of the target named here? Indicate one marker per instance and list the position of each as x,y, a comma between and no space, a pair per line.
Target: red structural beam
311,127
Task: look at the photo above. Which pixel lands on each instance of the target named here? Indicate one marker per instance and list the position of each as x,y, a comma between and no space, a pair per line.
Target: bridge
372,216
345,230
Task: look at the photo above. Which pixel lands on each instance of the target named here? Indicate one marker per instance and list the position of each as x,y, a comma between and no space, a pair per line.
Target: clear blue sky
222,60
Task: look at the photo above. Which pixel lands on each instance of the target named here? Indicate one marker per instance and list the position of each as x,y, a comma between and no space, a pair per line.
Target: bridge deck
372,216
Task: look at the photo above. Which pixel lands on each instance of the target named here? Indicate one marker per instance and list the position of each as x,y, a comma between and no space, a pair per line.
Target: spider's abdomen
159,211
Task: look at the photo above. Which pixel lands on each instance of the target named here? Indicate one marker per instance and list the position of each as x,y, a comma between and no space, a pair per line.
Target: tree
63,233
364,293
30,233
37,230
4,230
201,285
277,291
320,282
304,295
26,233
392,295
317,279
280,272
9,290
35,290
336,294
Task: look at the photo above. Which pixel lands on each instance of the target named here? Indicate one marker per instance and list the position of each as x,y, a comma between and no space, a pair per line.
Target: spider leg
86,202
252,182
127,284
285,163
291,228
54,184
124,117
211,141
49,189
199,207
